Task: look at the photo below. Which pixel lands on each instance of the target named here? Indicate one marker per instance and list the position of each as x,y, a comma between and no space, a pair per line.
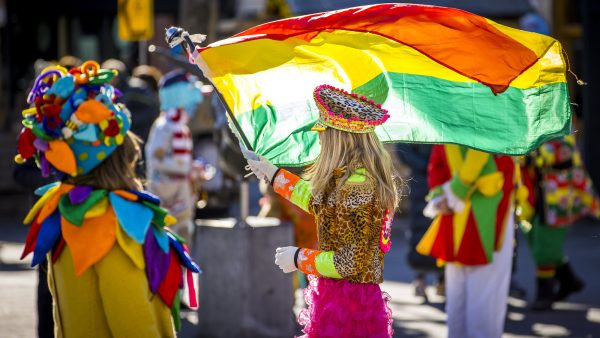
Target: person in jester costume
350,190
557,193
471,199
115,269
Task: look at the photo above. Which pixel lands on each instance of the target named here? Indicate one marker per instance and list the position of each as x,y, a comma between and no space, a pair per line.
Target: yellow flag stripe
343,58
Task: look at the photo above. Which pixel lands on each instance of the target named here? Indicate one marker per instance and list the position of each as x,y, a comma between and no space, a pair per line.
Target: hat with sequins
345,111
73,123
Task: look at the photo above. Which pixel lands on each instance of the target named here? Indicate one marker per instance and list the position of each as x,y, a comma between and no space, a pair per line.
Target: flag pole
178,36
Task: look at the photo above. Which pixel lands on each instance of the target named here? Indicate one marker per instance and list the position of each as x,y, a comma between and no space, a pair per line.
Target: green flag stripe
423,109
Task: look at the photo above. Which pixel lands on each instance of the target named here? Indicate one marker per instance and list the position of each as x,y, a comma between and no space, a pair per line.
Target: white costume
168,168
476,295
169,161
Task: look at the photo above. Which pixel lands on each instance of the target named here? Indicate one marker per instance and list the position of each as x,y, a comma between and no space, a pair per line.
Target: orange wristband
306,261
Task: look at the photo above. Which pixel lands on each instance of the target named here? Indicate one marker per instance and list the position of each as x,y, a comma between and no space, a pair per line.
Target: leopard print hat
345,111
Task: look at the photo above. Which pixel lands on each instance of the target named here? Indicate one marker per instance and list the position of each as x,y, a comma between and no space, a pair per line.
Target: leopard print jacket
349,222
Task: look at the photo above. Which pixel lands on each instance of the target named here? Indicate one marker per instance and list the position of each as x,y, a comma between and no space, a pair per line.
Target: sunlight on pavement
11,252
515,316
411,316
593,315
515,302
569,306
548,330
17,292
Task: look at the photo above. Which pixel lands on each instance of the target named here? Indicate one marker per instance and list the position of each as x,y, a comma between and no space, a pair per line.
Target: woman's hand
284,258
260,166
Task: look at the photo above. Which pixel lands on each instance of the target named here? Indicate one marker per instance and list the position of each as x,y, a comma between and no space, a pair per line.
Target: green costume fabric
546,243
560,192
74,213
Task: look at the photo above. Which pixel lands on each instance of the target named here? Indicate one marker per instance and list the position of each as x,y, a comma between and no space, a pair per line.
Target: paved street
579,317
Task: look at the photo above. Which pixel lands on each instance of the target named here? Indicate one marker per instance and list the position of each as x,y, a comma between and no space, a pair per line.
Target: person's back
349,212
350,190
114,270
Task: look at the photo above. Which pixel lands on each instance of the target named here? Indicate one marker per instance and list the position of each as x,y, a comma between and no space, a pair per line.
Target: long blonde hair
340,149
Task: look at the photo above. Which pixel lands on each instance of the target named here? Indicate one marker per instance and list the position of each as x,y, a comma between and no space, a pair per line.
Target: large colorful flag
445,76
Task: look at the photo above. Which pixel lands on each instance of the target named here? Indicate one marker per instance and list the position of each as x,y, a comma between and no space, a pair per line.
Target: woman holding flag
446,75
350,190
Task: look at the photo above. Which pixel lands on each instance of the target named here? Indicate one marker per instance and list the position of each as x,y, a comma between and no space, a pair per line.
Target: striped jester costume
485,182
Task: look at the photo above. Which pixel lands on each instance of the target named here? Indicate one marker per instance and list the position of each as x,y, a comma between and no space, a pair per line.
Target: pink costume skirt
342,309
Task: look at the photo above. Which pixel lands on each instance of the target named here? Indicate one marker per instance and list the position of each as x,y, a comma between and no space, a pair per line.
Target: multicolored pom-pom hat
74,123
346,111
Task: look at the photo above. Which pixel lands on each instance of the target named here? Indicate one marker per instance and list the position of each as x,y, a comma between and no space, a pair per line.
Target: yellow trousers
111,299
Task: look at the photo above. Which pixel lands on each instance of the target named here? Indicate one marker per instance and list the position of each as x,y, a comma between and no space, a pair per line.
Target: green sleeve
302,195
459,188
293,189
324,265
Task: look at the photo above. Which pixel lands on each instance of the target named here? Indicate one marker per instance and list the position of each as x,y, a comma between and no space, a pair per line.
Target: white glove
284,258
432,208
454,202
260,166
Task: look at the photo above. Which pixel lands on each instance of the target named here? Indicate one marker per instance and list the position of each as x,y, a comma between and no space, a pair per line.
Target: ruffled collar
91,221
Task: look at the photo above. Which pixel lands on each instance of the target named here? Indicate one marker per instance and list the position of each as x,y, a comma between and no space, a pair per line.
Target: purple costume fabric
157,262
79,194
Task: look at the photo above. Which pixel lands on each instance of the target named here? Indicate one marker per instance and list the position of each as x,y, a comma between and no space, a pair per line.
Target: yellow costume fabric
484,185
96,304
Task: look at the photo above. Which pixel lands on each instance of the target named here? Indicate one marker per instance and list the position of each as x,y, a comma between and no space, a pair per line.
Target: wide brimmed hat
74,123
347,111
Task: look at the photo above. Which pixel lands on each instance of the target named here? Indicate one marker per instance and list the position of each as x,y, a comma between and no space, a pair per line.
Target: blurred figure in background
416,156
141,97
471,195
120,80
69,61
170,164
558,193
